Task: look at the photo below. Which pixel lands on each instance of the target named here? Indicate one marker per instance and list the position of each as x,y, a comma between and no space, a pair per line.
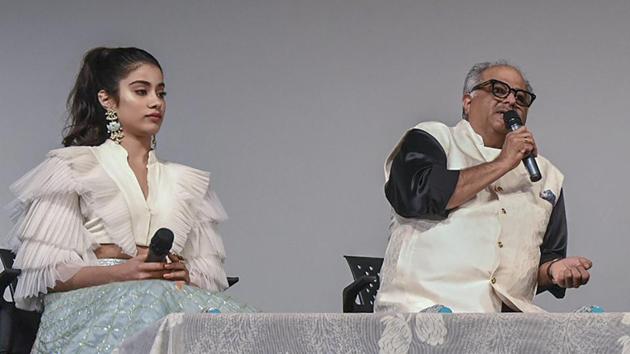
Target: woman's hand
137,268
177,271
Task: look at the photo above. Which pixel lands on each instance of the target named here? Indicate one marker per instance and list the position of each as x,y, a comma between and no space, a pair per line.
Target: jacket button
503,211
500,244
493,280
498,189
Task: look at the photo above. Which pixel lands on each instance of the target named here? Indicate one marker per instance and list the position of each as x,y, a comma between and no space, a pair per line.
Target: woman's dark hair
102,69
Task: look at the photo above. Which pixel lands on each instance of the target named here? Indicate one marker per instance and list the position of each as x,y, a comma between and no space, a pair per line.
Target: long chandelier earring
153,142
113,126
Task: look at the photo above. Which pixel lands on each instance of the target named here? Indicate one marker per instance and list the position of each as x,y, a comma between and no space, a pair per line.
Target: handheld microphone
161,244
513,122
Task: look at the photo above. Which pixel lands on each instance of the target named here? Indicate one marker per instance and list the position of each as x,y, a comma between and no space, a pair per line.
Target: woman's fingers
178,275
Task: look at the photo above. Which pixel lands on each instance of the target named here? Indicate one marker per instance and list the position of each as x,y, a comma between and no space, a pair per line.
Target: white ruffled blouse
82,196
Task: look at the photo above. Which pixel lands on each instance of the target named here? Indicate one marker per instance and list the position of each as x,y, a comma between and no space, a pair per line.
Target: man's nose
510,99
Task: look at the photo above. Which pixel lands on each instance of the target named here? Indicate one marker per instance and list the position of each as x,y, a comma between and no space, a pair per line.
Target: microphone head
511,119
162,242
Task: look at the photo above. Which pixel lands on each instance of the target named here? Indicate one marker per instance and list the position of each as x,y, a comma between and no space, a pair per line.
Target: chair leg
26,324
6,326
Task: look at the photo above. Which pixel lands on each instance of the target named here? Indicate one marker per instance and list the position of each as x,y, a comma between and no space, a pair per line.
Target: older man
470,230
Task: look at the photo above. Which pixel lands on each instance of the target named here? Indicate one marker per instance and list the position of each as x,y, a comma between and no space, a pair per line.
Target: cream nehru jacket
487,250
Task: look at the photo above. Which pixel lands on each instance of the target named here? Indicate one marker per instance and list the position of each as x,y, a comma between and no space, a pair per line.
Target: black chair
232,281
359,296
18,328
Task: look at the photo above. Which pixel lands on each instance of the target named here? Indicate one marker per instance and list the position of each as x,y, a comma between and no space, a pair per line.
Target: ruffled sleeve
48,237
203,247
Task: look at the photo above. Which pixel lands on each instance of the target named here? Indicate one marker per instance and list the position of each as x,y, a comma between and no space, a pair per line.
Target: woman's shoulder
196,186
193,181
76,161
70,152
186,174
57,173
52,176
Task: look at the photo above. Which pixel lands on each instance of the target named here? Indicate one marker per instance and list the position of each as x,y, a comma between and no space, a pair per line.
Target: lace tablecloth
385,333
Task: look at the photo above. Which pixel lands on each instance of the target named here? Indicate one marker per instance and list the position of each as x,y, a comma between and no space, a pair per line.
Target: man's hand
517,145
570,272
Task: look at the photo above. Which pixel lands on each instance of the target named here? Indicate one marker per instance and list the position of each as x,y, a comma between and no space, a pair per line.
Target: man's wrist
550,263
501,165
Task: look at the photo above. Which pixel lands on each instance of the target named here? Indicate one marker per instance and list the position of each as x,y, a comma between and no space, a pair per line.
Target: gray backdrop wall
294,105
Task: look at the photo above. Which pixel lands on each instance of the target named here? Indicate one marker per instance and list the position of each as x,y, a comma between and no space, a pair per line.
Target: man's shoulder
440,131
432,126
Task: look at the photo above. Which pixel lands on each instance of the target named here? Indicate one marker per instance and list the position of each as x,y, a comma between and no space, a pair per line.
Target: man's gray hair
473,77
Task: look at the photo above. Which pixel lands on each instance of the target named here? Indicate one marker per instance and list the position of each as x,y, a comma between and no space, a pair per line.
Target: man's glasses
501,90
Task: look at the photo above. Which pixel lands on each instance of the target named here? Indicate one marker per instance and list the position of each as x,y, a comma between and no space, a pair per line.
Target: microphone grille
511,118
162,241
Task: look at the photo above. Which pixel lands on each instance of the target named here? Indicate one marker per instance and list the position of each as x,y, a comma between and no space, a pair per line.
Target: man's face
485,111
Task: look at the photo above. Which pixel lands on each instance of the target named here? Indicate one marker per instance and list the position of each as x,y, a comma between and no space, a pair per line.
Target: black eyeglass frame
493,82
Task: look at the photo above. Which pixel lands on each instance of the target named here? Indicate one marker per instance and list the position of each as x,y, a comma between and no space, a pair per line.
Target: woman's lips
155,117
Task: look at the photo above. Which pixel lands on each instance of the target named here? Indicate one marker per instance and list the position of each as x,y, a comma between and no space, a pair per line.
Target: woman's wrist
118,273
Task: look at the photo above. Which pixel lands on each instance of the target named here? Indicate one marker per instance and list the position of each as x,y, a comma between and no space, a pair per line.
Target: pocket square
548,196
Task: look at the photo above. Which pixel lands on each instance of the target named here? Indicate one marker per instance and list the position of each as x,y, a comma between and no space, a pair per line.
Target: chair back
365,267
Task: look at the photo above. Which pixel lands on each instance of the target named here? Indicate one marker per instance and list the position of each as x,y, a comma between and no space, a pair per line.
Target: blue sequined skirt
97,319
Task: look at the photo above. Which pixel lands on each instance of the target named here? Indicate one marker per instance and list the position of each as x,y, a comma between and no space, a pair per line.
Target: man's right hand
517,145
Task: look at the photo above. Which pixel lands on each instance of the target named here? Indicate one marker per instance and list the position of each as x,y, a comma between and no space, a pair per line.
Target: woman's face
141,101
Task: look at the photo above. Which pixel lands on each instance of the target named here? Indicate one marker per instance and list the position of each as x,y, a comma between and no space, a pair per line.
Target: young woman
85,216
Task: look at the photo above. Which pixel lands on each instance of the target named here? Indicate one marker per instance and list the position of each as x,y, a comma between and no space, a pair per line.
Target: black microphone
513,122
161,244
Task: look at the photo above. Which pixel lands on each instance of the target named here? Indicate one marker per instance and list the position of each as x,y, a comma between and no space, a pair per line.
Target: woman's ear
106,100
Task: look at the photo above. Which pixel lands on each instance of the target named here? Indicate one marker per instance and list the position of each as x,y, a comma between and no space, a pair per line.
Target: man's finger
585,275
567,278
587,263
526,149
576,277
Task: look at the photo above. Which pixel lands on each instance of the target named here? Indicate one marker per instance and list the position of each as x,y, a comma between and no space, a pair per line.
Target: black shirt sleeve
419,184
555,241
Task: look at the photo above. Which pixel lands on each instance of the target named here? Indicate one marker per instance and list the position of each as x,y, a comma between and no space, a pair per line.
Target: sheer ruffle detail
100,194
207,273
48,237
197,215
195,203
205,254
42,266
54,200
